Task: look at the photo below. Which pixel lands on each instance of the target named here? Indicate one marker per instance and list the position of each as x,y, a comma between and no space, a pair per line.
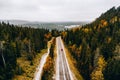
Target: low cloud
54,10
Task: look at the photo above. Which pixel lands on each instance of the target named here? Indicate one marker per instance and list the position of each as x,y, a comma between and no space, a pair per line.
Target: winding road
38,73
63,71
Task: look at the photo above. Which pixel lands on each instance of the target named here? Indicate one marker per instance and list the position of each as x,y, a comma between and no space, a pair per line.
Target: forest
17,41
96,47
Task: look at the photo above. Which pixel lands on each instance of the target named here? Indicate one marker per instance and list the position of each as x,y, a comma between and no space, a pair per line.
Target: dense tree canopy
19,41
84,42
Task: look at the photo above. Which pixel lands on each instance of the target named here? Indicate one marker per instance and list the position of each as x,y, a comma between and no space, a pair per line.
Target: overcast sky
54,10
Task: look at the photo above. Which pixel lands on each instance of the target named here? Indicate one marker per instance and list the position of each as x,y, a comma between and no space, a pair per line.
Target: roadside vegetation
49,67
26,69
72,62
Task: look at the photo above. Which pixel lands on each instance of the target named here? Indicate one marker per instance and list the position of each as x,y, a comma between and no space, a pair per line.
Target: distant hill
15,22
46,25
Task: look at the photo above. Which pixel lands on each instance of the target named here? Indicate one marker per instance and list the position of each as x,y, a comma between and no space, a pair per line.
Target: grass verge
28,69
72,63
49,68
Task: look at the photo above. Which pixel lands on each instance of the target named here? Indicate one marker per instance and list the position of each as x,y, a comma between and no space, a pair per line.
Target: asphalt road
63,71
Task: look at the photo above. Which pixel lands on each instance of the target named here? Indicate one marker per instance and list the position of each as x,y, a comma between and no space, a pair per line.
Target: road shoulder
71,61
